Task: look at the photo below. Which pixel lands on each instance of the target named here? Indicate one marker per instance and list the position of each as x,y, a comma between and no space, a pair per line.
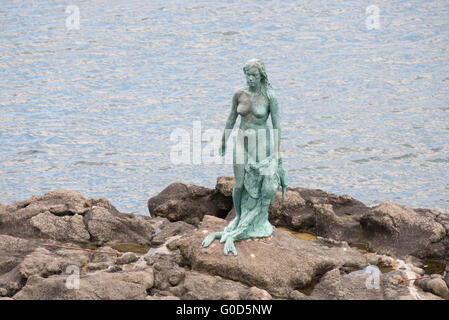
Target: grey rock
128,257
65,228
277,265
258,294
189,203
96,286
108,226
170,229
438,287
200,286
398,230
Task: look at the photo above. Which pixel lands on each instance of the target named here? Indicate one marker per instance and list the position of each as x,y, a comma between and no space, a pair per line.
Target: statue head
256,75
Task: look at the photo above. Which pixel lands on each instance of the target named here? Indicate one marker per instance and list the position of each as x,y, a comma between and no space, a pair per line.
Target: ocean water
364,110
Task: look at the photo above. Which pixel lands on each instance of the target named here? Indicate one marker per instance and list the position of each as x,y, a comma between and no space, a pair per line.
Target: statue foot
225,237
230,247
210,238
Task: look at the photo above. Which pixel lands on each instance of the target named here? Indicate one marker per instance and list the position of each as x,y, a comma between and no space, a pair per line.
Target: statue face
253,77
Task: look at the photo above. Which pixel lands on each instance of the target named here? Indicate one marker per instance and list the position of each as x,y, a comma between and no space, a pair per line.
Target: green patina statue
258,170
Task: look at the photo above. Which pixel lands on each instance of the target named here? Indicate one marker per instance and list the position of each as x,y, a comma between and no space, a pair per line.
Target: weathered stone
170,229
128,257
258,294
188,203
42,262
200,286
399,230
438,287
65,228
107,226
288,263
131,285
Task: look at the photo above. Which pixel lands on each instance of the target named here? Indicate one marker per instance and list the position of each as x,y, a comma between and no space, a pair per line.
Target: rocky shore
324,246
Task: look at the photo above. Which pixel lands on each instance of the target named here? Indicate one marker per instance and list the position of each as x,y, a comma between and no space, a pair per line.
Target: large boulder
280,265
189,203
101,285
387,228
398,230
66,216
106,226
337,285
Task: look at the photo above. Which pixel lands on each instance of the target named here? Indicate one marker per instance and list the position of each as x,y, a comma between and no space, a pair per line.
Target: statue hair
265,84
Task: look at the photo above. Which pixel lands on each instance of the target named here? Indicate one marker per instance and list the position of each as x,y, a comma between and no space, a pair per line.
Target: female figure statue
258,170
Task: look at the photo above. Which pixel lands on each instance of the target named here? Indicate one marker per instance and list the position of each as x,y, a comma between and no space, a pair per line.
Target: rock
200,286
42,262
128,257
3,292
12,252
225,185
279,265
387,228
170,229
131,285
65,228
167,270
336,286
162,298
398,230
438,287
66,216
15,218
258,294
189,203
106,226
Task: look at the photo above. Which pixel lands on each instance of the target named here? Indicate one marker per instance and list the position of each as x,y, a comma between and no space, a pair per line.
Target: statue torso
254,109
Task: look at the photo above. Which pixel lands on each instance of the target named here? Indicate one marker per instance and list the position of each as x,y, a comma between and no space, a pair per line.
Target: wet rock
189,203
279,265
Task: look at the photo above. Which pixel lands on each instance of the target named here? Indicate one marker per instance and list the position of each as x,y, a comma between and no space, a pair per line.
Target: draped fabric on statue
261,183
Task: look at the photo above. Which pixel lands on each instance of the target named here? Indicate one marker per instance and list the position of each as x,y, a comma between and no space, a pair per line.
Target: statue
258,171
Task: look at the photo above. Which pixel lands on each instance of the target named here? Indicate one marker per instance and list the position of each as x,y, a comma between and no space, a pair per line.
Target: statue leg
239,172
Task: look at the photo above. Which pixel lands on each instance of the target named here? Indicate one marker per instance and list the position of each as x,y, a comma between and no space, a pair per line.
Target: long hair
265,84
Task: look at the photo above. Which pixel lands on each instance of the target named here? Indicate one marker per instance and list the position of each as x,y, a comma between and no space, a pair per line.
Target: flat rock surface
278,265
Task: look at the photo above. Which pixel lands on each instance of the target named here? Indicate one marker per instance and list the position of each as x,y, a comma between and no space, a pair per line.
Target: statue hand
222,149
283,179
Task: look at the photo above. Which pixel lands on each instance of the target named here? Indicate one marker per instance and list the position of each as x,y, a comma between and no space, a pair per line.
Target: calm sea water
364,112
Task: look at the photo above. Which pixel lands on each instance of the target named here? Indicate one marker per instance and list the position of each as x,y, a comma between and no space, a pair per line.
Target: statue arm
275,119
230,122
